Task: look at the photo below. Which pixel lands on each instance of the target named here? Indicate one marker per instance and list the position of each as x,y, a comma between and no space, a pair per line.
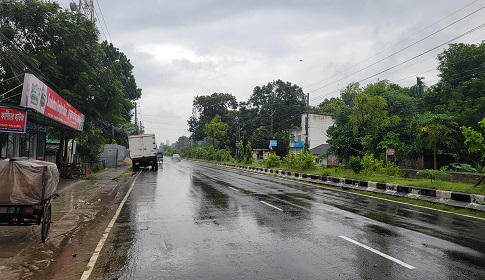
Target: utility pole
272,111
307,144
136,121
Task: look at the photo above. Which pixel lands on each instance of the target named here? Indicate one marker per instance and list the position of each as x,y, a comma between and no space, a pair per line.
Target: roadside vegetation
367,168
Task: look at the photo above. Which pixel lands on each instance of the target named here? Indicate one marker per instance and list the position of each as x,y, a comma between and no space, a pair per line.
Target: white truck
143,151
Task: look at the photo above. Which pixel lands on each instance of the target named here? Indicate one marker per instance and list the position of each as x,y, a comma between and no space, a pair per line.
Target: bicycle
70,171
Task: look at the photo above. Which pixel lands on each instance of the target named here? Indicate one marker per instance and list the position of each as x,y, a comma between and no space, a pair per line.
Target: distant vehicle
143,151
176,157
160,157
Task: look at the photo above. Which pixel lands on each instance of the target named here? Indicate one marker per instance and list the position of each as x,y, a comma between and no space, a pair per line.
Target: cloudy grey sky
184,48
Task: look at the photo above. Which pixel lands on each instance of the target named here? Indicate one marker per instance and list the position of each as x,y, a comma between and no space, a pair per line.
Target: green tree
283,139
439,131
248,153
291,161
215,130
459,93
418,89
349,93
279,105
183,142
260,137
307,161
329,107
368,112
240,152
208,107
475,140
90,145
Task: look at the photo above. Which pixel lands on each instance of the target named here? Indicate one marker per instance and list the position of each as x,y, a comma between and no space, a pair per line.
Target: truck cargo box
143,151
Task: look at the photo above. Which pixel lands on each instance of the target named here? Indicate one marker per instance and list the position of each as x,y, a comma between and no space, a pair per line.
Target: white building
317,134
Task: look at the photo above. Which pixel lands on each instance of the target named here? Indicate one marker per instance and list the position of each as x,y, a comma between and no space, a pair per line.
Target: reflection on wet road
194,220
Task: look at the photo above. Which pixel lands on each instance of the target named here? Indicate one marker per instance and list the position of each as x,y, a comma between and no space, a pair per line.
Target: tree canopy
270,110
63,49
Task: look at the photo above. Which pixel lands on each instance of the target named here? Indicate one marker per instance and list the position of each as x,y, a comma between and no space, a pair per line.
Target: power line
3,94
11,78
401,42
280,122
417,56
102,17
401,51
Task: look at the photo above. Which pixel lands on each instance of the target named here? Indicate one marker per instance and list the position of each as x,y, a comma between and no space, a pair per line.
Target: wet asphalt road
194,220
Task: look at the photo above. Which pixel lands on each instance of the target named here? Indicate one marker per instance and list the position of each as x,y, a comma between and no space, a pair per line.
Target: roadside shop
24,129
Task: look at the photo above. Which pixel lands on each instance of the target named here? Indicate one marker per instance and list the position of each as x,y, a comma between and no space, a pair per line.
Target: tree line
442,120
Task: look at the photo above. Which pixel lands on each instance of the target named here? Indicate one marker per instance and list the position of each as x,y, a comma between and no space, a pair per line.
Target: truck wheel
135,168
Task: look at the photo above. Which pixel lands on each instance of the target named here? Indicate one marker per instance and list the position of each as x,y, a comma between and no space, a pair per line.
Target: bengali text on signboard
12,119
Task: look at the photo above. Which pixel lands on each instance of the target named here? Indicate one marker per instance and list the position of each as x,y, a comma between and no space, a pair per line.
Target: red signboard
12,120
38,96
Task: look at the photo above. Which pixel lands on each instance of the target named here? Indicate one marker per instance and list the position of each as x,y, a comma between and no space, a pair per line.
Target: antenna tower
85,7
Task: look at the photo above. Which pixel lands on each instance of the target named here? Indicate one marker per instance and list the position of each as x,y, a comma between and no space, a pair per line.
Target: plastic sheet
27,182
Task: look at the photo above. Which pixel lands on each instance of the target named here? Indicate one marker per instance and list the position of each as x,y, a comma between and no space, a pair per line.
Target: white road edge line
378,252
271,205
233,189
99,247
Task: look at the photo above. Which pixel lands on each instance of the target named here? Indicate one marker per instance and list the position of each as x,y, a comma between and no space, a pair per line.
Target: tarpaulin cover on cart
27,182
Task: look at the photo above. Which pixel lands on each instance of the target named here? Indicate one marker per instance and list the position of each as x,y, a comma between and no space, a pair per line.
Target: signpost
390,153
273,143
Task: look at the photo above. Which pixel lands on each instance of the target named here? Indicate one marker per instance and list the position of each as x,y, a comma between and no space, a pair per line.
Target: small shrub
223,155
272,161
325,171
356,164
371,165
291,161
340,168
393,170
459,167
95,168
307,161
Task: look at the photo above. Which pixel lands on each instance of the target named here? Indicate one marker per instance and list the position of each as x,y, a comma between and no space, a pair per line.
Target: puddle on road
381,230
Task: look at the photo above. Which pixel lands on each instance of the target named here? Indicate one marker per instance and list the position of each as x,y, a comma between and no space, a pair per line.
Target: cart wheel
46,221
